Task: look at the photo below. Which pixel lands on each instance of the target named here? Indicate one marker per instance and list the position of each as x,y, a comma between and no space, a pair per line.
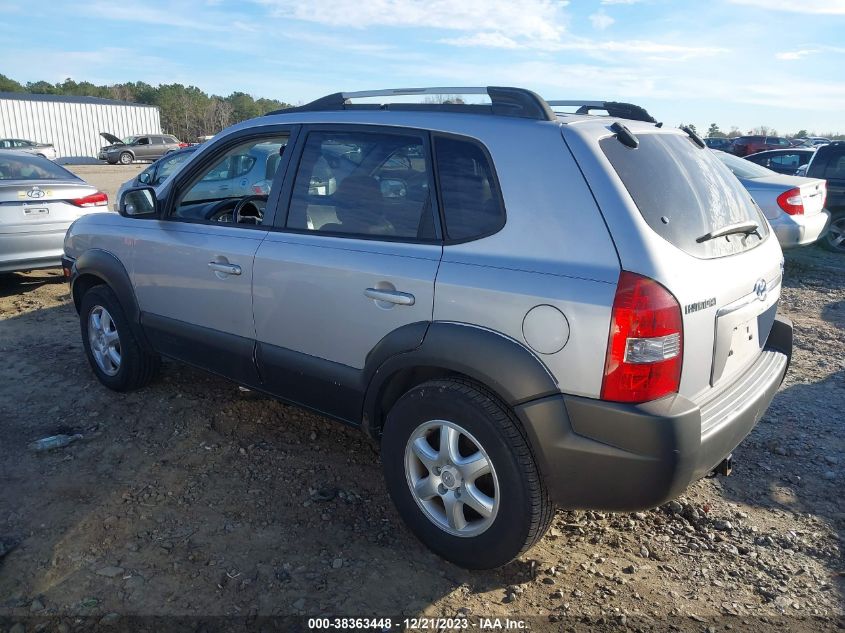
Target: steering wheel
219,210
250,209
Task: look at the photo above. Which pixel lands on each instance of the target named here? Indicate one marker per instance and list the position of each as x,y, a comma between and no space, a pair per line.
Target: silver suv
528,310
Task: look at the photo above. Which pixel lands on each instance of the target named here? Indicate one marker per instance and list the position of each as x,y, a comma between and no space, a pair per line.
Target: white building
73,124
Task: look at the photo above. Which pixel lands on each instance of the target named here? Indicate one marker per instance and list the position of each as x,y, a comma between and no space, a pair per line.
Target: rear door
193,269
353,260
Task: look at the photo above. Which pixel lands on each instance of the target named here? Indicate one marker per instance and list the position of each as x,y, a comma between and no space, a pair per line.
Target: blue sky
747,63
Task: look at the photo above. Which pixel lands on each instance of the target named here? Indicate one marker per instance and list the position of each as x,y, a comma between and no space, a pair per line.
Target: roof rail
504,101
613,108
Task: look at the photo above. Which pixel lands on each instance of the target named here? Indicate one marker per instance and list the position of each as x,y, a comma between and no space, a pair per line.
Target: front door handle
390,296
226,269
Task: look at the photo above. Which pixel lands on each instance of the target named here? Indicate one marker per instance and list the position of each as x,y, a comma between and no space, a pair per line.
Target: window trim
447,241
280,224
209,155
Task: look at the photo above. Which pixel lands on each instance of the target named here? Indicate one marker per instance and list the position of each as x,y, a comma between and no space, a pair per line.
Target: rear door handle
390,296
226,269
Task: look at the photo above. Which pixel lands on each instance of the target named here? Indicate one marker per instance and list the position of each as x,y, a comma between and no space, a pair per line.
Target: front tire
125,158
459,470
834,238
113,352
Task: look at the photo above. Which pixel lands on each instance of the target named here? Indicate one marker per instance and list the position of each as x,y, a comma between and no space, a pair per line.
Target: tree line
761,130
185,111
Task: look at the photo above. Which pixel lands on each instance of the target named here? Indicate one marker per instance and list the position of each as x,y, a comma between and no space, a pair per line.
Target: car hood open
111,138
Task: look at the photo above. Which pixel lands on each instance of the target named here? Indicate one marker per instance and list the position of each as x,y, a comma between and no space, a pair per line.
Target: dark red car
745,145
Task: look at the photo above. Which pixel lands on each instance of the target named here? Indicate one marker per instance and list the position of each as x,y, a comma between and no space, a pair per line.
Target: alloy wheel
452,478
104,340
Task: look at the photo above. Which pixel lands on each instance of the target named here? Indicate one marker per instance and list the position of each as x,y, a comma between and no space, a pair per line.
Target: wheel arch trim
110,270
499,363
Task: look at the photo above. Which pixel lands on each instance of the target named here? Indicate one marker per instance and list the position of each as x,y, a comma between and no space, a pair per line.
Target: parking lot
189,497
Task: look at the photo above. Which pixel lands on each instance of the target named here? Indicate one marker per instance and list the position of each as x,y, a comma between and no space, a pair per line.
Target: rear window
21,167
684,192
828,163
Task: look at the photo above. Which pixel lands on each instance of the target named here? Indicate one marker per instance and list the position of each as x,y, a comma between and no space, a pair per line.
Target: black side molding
227,355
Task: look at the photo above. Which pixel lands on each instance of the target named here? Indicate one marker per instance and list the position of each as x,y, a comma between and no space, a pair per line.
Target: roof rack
504,101
613,108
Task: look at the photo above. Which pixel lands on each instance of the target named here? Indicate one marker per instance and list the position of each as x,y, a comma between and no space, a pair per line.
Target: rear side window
684,192
472,203
363,184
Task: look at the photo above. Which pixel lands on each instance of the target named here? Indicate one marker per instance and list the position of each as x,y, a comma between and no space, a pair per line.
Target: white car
45,150
793,205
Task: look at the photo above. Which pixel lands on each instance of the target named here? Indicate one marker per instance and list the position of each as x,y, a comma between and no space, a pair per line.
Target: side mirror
139,202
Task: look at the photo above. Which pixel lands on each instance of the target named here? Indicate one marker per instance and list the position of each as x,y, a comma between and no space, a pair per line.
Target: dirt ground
190,499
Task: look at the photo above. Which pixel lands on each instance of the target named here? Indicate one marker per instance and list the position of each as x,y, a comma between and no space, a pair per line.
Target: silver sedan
793,205
38,202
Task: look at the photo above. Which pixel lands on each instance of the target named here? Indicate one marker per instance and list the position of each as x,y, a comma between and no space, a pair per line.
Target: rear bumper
611,456
800,230
29,251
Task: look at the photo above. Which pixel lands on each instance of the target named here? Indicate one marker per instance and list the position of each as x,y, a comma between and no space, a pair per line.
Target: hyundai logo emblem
761,289
35,192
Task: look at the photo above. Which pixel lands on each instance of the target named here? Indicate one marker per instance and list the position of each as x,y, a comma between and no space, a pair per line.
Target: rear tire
113,352
834,238
125,158
478,500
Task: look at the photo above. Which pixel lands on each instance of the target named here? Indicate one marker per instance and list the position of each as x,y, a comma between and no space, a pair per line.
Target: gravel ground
189,498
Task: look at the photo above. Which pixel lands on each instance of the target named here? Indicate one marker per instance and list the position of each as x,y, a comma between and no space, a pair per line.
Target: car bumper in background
799,230
28,251
611,456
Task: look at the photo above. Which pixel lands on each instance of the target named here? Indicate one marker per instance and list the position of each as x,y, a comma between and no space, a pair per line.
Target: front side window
363,184
472,205
142,141
246,170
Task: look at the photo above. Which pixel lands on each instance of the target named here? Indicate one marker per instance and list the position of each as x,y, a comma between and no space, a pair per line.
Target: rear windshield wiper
731,229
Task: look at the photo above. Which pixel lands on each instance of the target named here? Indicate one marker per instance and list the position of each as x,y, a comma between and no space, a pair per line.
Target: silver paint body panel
571,227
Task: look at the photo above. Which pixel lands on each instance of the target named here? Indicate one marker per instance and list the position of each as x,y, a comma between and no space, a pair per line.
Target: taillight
98,199
645,346
184,145
791,202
